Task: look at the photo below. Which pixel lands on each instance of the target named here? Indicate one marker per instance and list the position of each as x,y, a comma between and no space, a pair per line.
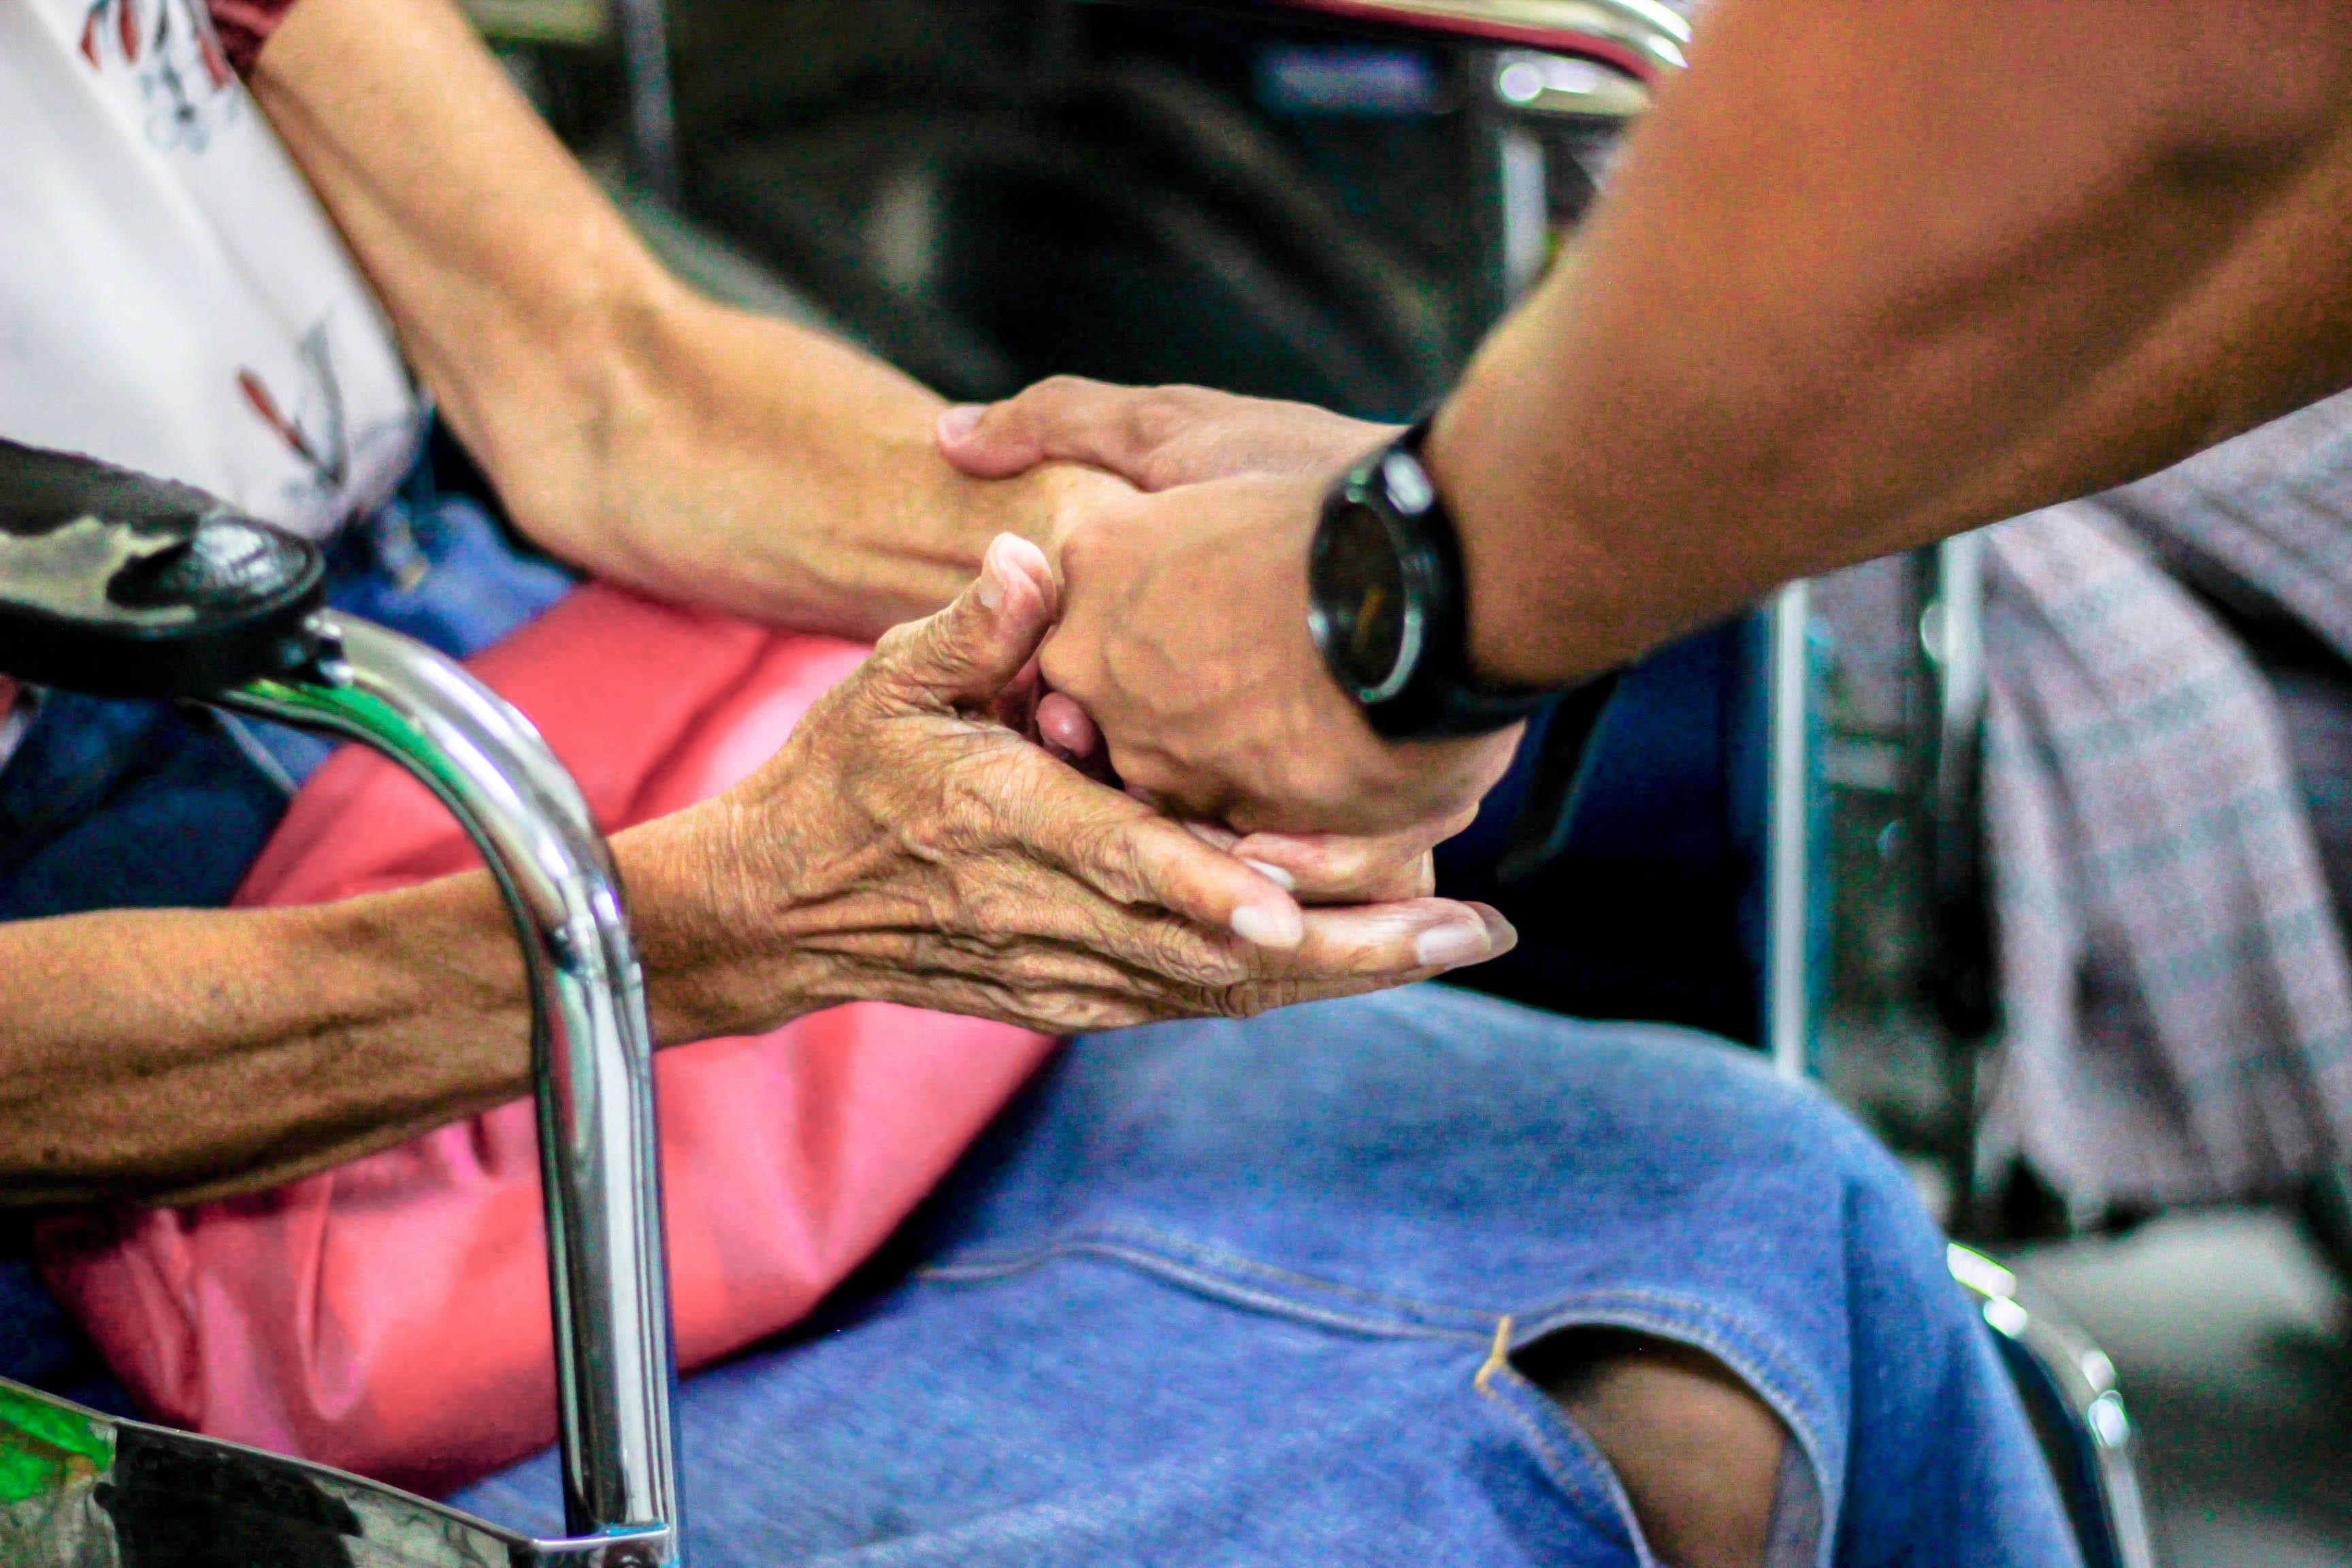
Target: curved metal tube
653,141
2070,1385
1641,36
592,1048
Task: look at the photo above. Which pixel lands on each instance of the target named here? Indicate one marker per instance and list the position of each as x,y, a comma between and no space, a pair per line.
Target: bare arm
1870,275
693,451
903,846
1878,274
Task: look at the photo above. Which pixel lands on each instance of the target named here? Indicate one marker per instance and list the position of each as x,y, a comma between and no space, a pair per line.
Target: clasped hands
942,829
1183,650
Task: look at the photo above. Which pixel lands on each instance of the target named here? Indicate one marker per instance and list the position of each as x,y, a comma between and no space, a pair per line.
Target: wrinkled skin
910,844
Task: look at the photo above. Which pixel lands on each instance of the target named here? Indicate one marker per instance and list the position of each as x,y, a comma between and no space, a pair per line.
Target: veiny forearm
168,1055
173,1053
631,427
1874,275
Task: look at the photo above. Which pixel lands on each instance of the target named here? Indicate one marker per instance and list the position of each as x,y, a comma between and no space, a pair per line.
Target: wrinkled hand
1316,868
908,846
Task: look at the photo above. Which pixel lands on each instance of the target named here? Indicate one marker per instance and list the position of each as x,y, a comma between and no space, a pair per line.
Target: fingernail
990,592
1275,874
1269,925
1501,934
961,421
1209,834
1025,555
1443,947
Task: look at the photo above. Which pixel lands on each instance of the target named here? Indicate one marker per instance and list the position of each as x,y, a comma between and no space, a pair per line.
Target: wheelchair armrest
122,586
118,584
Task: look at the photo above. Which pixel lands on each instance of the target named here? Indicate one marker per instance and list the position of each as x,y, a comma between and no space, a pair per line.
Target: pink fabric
391,1317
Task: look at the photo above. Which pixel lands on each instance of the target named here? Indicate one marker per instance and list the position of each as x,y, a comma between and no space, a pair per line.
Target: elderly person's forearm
658,439
154,1054
1873,275
904,846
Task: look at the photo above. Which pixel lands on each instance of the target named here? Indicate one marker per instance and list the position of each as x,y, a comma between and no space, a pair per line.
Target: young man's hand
1184,638
1154,438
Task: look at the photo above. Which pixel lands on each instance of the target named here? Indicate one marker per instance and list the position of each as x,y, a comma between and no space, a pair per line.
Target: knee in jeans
1699,1454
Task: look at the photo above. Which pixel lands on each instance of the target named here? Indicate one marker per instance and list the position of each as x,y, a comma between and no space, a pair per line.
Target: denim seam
1212,1271
1734,1344
1541,1425
1204,1281
1709,1328
1168,1248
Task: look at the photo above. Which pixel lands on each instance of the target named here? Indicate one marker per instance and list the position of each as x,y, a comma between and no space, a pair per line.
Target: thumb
970,651
1065,419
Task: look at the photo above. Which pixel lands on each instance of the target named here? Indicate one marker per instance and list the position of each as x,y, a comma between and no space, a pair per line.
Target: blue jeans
1232,1293
1211,1293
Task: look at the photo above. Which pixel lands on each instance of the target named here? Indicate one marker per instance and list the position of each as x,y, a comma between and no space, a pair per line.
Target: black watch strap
1436,694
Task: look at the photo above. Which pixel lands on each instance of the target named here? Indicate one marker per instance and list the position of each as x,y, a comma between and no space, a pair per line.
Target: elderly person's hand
912,844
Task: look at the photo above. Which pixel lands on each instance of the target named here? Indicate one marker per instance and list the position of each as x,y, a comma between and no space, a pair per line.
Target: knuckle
1250,998
898,647
1057,393
1107,849
1156,417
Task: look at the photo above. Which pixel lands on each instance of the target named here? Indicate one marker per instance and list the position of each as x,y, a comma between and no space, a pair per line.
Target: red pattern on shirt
245,26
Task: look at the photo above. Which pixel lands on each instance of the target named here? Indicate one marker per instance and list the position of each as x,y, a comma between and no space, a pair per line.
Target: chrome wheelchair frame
77,1487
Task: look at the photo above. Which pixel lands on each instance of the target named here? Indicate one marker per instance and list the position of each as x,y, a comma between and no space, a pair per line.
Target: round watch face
1366,617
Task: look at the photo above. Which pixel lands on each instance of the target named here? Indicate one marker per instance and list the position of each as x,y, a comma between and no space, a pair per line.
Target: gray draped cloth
2176,1000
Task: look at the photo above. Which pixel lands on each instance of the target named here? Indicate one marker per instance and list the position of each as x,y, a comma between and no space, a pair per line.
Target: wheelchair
117,585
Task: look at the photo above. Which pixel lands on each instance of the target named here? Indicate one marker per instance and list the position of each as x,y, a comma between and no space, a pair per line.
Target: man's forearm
653,437
1874,275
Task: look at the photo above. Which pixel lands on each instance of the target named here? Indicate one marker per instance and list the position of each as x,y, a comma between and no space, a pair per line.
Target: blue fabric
112,805
1219,1293
1227,1293
1646,913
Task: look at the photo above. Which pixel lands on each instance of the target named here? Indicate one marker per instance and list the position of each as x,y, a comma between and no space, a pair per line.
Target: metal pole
1954,641
1787,844
644,28
593,1055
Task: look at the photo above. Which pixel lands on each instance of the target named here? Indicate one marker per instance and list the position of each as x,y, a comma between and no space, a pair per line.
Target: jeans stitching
1711,1330
1513,1398
1222,1275
1734,1344
1167,1249
1202,1280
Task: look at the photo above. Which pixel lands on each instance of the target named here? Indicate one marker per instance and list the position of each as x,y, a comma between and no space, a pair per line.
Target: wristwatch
1387,602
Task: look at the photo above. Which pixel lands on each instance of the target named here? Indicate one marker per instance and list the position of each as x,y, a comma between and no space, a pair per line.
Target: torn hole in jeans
1675,1423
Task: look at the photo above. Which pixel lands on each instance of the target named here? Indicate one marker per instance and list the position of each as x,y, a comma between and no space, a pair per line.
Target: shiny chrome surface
79,1489
593,1048
1539,83
2069,1386
1638,35
1788,835
1951,633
